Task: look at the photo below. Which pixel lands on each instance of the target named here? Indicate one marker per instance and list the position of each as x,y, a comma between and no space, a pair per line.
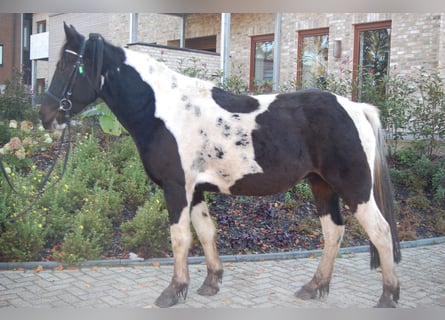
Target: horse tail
383,191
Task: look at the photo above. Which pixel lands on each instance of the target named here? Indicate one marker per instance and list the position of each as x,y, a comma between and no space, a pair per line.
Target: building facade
14,46
306,48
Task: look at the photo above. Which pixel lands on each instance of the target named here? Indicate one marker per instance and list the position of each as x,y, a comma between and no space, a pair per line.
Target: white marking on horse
207,130
357,112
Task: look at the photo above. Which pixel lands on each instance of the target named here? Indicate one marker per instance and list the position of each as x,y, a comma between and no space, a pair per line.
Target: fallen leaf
38,269
312,256
59,267
94,268
71,268
156,264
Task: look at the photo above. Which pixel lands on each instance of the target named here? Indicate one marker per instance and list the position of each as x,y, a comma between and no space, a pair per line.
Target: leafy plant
193,68
31,235
234,82
107,120
148,232
429,111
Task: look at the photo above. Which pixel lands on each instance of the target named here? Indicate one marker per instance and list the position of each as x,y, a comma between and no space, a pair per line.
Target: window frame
301,35
2,49
253,41
39,24
358,28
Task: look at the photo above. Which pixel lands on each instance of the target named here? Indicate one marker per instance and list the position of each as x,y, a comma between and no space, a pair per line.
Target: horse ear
71,33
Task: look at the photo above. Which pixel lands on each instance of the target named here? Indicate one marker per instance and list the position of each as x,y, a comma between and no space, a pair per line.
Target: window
312,62
207,43
41,26
261,62
40,86
1,55
371,56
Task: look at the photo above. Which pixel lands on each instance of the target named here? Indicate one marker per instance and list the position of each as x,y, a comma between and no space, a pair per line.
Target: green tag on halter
81,69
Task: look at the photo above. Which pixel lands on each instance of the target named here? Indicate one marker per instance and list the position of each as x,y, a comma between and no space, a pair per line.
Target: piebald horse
193,137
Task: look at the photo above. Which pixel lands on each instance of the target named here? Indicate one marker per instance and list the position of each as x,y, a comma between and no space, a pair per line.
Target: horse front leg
181,239
206,231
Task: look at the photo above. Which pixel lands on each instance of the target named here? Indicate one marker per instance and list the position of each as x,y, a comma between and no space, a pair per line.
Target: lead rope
43,186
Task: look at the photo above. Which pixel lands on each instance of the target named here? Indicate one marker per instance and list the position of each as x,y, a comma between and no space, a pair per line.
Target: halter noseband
65,103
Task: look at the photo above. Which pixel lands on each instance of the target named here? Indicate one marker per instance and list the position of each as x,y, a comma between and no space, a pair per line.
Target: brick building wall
83,22
417,39
10,39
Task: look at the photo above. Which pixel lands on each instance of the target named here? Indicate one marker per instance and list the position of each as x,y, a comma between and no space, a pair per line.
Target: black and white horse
193,137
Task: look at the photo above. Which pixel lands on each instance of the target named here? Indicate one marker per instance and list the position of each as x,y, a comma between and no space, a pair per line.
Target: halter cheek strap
65,103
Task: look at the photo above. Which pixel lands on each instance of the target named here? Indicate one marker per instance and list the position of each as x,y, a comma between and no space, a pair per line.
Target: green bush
14,105
417,172
89,238
148,233
438,183
429,112
23,241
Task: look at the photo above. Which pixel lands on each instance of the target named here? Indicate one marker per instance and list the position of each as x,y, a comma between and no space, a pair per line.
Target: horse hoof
206,290
167,299
386,302
170,296
210,286
306,293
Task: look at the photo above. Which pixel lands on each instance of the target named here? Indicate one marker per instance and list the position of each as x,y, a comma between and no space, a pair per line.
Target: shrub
148,232
418,201
14,104
303,191
23,240
89,238
77,248
438,183
429,112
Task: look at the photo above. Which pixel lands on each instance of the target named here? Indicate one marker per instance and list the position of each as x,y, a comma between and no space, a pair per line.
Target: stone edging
201,259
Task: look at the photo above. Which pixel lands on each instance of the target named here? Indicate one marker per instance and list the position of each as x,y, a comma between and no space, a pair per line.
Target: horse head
76,80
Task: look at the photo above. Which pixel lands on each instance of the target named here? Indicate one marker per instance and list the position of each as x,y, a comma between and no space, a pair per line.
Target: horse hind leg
379,233
328,207
206,232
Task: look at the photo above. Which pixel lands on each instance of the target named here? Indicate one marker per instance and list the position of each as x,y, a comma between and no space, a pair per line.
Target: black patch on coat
234,102
133,102
308,132
198,195
325,198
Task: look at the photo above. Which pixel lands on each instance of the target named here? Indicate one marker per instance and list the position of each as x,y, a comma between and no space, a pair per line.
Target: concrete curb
201,259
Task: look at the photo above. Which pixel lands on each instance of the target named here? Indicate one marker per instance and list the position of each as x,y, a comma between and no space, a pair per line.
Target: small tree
395,106
428,112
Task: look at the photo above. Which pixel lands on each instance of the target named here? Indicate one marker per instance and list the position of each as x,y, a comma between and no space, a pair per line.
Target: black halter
65,103
93,76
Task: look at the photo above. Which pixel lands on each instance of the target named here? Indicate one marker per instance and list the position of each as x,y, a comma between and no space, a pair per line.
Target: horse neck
127,95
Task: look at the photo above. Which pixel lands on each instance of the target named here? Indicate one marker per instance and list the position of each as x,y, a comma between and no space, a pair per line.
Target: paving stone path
269,283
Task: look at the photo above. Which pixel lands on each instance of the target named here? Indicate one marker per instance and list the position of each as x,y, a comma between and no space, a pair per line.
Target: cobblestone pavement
245,284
